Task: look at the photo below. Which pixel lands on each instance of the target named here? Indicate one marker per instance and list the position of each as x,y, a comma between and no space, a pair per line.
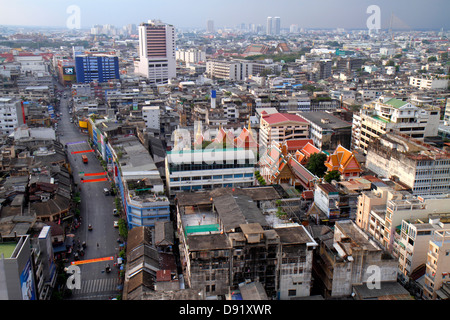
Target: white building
387,51
415,235
423,168
151,115
387,114
276,25
269,26
10,115
32,64
190,170
370,94
429,82
157,58
191,55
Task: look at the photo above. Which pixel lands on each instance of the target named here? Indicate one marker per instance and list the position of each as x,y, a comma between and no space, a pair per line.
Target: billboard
27,282
69,71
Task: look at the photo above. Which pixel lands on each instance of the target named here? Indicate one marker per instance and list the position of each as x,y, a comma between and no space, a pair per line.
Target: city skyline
347,14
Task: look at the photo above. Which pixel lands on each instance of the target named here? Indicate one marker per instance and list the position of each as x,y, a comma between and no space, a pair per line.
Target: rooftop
325,120
7,248
396,103
276,118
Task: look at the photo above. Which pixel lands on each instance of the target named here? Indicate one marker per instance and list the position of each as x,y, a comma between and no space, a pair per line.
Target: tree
332,175
316,164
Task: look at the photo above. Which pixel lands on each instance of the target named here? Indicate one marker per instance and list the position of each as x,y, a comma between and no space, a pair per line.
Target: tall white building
210,26
157,59
269,26
276,26
11,115
151,115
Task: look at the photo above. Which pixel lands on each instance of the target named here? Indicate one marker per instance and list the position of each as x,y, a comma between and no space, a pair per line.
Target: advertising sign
27,283
69,71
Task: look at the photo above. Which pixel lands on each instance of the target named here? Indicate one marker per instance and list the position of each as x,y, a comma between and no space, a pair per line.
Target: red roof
297,144
9,57
283,117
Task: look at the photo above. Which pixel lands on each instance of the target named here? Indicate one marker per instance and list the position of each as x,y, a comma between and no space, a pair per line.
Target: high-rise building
269,27
101,68
157,61
276,26
210,26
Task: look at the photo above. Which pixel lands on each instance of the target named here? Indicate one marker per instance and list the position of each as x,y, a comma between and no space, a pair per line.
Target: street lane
95,209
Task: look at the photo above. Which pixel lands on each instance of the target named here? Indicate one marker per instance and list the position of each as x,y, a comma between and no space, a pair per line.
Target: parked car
116,224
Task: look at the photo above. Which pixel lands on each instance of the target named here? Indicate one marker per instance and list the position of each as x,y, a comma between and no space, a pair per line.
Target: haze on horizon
347,14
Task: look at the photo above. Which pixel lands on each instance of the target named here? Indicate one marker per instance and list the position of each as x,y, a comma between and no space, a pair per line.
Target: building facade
421,167
280,127
96,68
226,241
348,257
12,114
388,114
429,82
415,244
205,169
328,131
151,115
191,55
438,264
157,57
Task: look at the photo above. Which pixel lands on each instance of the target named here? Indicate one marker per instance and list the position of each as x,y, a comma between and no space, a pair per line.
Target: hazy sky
416,14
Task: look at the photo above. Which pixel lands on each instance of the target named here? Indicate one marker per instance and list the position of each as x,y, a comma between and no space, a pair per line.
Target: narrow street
96,209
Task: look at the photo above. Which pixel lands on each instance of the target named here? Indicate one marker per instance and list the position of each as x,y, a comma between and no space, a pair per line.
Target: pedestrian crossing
97,285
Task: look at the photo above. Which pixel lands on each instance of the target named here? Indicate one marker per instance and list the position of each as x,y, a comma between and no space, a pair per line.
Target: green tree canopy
316,164
332,175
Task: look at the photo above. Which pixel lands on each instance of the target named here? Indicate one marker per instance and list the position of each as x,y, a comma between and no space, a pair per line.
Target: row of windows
225,176
434,181
214,166
209,187
432,172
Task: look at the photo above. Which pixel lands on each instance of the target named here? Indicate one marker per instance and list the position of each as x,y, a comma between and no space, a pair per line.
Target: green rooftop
7,248
396,103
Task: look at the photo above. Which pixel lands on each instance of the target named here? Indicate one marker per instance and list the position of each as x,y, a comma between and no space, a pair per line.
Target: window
292,293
